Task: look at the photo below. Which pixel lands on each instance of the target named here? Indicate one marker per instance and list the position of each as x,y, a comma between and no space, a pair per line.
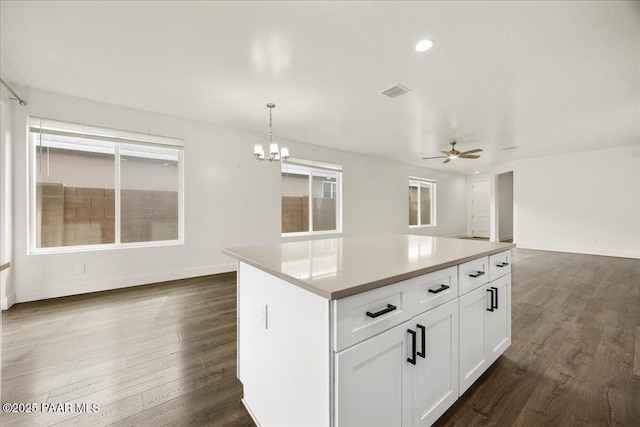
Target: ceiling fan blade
477,150
439,157
447,161
469,156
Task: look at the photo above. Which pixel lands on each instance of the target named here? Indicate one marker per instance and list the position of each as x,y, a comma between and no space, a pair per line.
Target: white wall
230,200
6,206
585,202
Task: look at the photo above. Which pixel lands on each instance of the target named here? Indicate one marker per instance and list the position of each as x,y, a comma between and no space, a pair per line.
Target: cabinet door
435,375
373,387
473,346
498,325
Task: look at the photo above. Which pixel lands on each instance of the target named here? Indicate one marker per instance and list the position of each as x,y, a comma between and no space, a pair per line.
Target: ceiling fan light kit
455,154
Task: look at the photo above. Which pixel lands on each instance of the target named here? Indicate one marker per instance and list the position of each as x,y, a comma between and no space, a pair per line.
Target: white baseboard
585,251
506,237
8,301
34,294
246,406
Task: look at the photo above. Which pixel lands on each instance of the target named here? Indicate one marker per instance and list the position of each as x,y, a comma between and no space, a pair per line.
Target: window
422,202
329,189
94,188
311,198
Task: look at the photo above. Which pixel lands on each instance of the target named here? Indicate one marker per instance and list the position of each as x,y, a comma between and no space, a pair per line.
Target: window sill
422,226
311,233
105,247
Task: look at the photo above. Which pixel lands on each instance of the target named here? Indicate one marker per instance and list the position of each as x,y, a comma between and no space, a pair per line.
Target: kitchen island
374,330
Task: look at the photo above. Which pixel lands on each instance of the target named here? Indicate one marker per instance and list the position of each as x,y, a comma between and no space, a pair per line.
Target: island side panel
283,350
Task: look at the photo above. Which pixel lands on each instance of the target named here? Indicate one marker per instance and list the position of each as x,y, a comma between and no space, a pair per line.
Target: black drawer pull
502,264
440,289
491,292
495,289
412,360
478,274
423,353
389,309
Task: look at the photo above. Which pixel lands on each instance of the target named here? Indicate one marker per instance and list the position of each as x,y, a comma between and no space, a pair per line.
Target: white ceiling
549,77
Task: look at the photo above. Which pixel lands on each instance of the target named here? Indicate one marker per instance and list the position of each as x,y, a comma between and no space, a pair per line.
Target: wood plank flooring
165,354
575,341
162,354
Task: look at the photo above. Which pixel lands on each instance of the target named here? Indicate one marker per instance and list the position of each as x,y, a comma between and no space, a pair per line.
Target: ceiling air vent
395,91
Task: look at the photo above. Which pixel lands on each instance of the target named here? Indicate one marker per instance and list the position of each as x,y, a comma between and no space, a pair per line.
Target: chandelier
275,154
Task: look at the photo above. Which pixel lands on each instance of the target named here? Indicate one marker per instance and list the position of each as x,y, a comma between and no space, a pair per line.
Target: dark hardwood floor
155,355
165,354
575,331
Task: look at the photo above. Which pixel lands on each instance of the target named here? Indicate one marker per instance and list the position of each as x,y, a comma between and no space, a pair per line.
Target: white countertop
337,268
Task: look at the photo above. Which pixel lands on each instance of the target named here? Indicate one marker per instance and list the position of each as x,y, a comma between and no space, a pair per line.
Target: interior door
435,374
480,202
373,381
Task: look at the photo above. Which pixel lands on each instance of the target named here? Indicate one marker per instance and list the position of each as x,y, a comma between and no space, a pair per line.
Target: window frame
432,185
315,166
118,137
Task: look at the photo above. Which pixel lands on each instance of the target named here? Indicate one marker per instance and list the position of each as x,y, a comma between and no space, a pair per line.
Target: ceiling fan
455,154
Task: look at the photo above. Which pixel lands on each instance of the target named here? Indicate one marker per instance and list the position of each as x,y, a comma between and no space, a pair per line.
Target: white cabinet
405,376
435,375
498,324
373,382
499,265
473,347
473,274
396,355
365,315
485,328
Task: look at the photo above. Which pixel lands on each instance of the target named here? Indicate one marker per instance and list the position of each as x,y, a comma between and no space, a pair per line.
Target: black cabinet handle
478,274
389,309
502,264
412,360
424,339
440,289
491,292
496,289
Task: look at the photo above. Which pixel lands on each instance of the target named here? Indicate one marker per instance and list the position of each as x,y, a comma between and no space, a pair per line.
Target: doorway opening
505,207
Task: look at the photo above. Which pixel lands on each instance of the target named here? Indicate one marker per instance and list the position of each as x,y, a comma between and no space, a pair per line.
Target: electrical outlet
80,269
594,242
635,154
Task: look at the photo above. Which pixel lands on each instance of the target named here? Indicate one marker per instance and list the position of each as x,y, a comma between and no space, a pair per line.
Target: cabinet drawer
473,274
387,306
409,297
499,265
434,289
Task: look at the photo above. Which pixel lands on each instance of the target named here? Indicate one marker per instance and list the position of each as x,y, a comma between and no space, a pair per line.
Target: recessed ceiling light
424,45
477,172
